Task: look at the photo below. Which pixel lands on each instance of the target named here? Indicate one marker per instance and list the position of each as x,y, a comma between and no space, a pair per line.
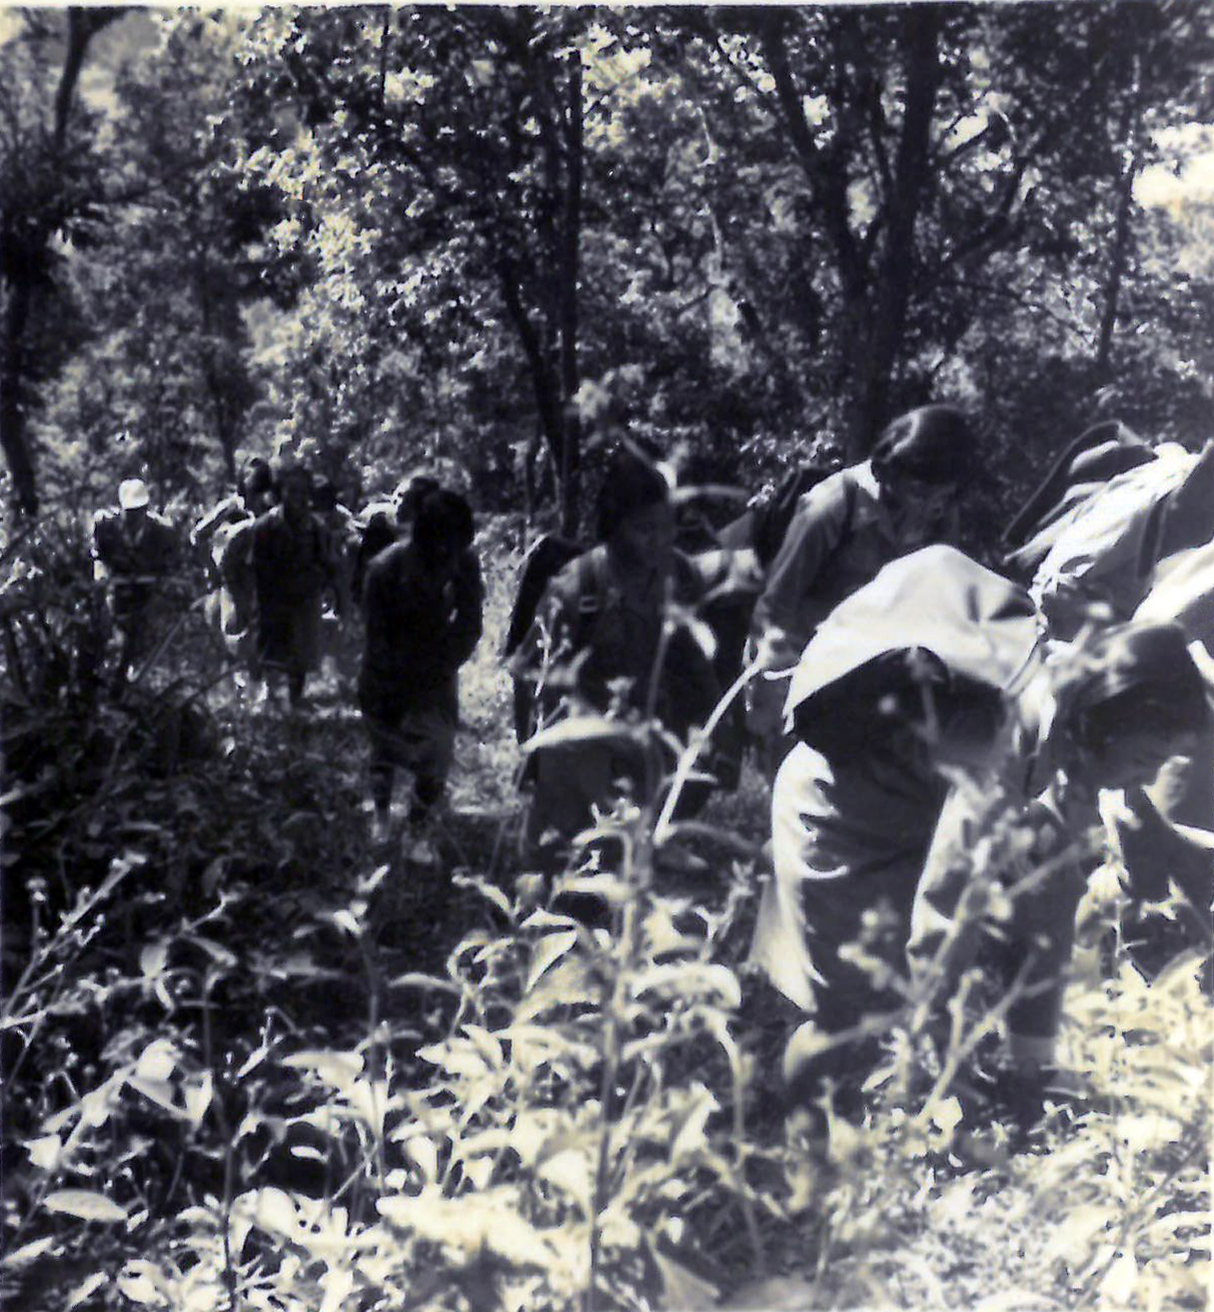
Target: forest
252,1059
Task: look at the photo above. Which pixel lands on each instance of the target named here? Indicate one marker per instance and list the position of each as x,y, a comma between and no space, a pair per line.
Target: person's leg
569,780
381,716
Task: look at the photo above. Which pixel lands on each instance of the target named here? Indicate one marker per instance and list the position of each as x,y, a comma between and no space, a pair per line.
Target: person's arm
1156,851
780,625
468,619
212,522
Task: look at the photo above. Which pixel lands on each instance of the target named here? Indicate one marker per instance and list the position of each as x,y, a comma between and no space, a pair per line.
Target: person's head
133,498
293,482
256,483
921,461
442,529
636,514
324,496
1132,699
409,494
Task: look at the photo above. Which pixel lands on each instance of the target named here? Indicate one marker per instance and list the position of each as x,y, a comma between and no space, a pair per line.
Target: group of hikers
940,739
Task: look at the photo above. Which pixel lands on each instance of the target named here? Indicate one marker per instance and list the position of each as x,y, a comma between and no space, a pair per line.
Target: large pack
1107,547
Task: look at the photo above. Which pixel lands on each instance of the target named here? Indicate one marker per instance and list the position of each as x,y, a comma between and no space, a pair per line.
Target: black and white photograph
607,657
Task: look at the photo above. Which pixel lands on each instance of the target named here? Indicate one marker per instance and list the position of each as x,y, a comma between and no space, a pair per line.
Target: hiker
844,530
386,522
341,640
1096,558
226,534
596,645
137,553
1011,854
900,685
422,603
1135,546
293,565
252,497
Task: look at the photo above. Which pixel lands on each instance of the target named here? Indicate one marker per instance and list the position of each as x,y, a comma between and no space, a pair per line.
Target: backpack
765,523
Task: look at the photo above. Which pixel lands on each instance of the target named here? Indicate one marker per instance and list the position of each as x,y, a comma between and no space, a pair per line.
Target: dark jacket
419,630
608,627
292,563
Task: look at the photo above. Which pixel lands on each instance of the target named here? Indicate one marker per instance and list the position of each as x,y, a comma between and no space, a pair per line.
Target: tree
50,188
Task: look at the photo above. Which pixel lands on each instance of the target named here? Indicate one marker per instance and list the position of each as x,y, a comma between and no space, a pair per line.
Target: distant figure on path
137,553
422,605
226,535
292,567
599,629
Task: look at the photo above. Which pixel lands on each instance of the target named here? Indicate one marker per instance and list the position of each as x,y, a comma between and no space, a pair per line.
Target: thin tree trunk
571,243
82,26
896,272
1121,235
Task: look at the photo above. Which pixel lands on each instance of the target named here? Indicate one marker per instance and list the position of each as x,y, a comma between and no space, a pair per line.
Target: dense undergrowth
251,1061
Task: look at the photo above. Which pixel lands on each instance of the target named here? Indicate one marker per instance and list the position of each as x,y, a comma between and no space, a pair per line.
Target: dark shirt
420,629
292,560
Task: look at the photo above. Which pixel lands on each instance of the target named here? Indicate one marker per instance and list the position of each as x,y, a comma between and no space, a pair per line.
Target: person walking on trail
844,530
596,644
225,533
386,522
900,685
422,603
292,568
1011,855
137,553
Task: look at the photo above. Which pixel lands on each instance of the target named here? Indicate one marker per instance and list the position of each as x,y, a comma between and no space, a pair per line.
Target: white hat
133,494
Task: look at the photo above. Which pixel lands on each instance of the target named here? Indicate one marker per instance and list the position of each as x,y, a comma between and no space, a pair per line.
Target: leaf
806,1042
85,1204
682,1289
216,951
344,919
418,980
275,1211
1120,1280
198,1097
27,1252
688,1135
486,1044
1073,1241
44,1152
580,729
157,1061
614,891
153,958
542,919
569,1170
488,891
339,1069
137,1281
85,1289
158,1091
946,1115
547,951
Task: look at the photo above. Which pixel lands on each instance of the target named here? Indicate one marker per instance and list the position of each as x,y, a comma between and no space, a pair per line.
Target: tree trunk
571,230
1121,235
12,405
82,26
896,271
